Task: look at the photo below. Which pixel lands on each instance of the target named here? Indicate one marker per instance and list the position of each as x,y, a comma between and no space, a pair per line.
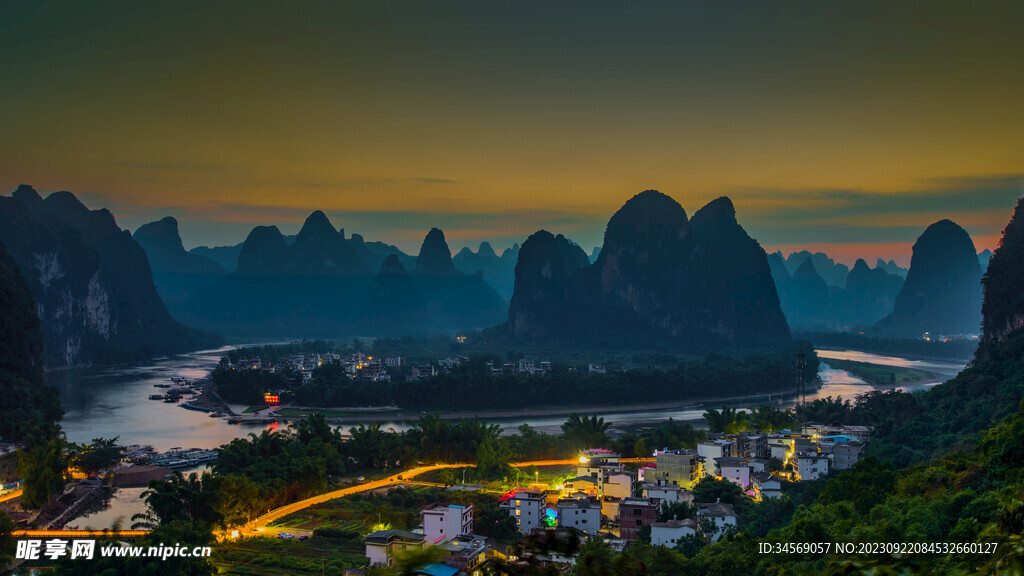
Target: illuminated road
398,478
373,485
10,496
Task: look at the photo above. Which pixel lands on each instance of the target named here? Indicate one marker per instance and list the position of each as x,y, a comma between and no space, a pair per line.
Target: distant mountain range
660,280
91,283
324,285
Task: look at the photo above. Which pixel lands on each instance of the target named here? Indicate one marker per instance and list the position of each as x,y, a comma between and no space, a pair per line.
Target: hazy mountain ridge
91,283
320,286
176,273
498,271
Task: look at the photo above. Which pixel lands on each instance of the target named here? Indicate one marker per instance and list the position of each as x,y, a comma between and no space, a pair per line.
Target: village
607,500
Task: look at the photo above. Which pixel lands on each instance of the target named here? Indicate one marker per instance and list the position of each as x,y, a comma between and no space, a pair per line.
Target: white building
722,517
382,545
712,449
671,533
583,514
810,466
734,469
527,507
444,522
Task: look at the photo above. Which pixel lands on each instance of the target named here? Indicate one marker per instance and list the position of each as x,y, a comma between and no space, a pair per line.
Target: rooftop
688,522
385,536
715,510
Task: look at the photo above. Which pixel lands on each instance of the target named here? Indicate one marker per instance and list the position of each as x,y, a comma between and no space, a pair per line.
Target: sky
845,127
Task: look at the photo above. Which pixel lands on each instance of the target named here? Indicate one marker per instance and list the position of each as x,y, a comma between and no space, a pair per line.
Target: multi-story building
751,444
635,513
717,448
583,514
679,467
810,466
443,522
527,507
382,545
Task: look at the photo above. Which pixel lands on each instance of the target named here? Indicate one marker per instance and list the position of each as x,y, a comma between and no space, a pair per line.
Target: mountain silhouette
659,280
942,292
91,282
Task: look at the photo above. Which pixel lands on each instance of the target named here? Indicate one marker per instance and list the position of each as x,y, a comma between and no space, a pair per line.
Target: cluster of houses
359,366
604,500
747,458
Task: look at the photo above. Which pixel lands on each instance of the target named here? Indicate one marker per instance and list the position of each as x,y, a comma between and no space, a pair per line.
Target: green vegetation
879,375
953,349
473,385
7,542
101,454
43,466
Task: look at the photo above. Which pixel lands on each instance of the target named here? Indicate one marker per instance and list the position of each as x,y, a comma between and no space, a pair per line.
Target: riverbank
395,414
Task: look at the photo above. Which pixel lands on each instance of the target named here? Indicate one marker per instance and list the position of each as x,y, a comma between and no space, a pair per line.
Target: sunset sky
839,126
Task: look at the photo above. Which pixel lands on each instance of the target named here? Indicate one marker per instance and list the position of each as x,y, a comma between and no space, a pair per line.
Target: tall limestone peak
647,219
264,250
742,266
538,308
160,238
659,279
320,249
942,292
317,225
435,258
1003,307
165,252
718,212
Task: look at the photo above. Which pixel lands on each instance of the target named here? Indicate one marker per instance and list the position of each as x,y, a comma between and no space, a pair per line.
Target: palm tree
586,431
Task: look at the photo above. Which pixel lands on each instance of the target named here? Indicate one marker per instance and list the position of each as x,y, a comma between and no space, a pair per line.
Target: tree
7,542
102,454
586,431
43,465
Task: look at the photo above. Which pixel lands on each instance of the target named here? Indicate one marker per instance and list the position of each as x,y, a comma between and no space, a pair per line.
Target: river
108,402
